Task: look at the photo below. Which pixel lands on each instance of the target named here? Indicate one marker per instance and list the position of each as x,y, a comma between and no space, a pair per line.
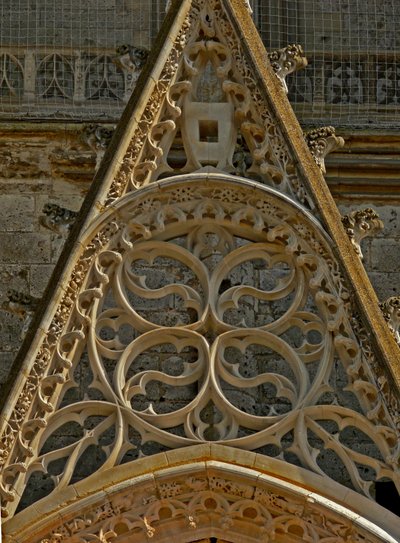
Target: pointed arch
205,491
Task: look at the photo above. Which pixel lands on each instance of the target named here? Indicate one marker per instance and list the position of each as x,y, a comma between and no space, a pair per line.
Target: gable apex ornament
208,111
208,293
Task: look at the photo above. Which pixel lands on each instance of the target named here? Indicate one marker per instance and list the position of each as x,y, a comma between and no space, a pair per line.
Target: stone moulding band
205,491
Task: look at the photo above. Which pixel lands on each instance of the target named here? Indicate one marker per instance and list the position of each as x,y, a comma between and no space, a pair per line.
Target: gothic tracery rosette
209,312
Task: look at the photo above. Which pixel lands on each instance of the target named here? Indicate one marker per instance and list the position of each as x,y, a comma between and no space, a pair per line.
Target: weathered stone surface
27,248
10,332
40,275
14,277
385,255
17,213
386,284
6,360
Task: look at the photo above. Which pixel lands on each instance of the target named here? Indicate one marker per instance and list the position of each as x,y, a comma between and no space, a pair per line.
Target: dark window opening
208,131
386,495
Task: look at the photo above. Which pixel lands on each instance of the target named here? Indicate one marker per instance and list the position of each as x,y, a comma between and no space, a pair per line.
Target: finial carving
22,306
286,61
97,137
361,224
321,142
391,313
57,218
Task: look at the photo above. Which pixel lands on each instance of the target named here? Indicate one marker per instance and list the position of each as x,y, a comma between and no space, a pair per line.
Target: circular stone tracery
213,311
216,300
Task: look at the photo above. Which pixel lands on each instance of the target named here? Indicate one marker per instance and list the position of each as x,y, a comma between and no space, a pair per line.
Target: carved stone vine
286,61
57,218
291,313
37,390
321,142
391,312
361,224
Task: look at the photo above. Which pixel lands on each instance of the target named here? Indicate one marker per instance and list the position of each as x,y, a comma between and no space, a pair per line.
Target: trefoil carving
260,311
211,114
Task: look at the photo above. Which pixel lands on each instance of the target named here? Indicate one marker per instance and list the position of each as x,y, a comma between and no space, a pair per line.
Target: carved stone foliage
190,505
286,61
98,138
57,218
205,312
212,107
131,60
391,312
22,305
321,142
361,224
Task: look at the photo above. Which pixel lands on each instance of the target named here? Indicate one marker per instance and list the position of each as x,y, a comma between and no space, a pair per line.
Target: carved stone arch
253,343
205,493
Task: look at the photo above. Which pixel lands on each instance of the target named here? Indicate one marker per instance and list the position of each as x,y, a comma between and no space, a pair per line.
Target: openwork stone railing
361,86
40,82
80,83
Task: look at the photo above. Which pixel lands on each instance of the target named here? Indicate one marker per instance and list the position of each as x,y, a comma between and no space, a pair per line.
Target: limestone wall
39,164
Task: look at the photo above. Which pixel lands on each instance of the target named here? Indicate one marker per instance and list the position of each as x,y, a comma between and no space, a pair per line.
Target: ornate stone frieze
321,142
391,312
223,313
57,218
188,504
286,61
183,494
123,179
361,224
200,307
